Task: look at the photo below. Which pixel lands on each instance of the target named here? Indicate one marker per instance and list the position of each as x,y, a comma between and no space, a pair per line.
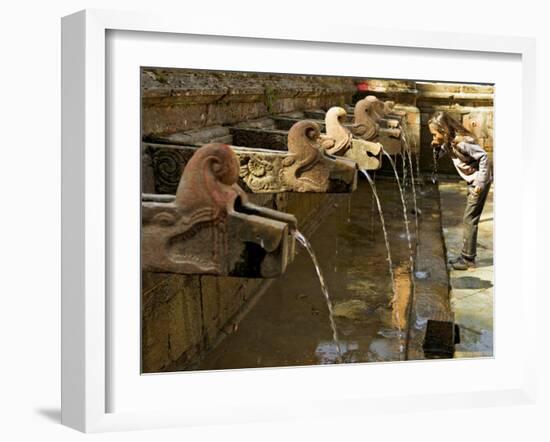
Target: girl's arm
476,152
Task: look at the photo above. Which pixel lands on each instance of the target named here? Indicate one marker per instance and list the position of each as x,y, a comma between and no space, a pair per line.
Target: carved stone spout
364,125
296,161
306,168
384,112
301,168
365,153
209,227
390,111
368,119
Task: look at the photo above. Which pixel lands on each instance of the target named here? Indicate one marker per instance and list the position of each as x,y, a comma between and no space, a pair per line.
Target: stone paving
471,290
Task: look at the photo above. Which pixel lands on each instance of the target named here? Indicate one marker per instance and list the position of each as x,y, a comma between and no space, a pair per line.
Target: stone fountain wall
183,317
183,100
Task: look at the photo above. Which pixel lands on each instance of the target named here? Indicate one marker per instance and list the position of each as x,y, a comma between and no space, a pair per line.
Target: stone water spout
210,227
368,118
299,163
391,112
366,154
303,167
306,168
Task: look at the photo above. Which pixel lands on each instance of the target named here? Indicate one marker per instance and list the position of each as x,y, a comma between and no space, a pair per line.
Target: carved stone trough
210,227
295,163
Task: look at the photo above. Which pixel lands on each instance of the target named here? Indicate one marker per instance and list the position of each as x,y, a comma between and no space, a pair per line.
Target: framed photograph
184,298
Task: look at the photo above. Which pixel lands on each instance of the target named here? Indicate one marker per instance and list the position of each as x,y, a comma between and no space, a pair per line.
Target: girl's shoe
462,263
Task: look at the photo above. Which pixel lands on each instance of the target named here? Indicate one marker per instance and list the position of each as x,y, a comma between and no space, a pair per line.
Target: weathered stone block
171,322
176,118
222,298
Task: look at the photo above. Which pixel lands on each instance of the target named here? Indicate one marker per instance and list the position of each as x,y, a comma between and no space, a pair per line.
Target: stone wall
179,100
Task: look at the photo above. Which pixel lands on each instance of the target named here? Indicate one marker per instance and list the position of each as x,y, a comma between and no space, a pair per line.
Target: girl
472,164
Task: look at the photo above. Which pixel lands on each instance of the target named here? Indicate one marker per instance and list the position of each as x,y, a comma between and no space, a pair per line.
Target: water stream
406,222
435,154
382,221
405,217
404,164
405,140
304,242
417,160
408,153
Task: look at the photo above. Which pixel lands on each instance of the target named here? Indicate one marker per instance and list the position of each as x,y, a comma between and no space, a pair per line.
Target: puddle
422,274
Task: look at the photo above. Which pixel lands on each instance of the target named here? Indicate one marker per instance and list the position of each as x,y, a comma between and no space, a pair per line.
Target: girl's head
446,130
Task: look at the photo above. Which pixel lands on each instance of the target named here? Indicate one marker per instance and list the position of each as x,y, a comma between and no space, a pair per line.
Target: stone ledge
170,87
431,295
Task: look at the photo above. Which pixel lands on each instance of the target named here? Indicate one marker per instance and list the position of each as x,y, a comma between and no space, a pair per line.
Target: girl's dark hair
452,130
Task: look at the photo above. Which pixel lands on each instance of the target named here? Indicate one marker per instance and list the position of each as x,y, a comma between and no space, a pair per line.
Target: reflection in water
420,274
330,353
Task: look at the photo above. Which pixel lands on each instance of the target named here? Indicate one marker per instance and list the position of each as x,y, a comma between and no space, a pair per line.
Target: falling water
390,264
302,240
406,222
404,164
408,151
404,140
405,217
336,254
417,159
373,210
434,170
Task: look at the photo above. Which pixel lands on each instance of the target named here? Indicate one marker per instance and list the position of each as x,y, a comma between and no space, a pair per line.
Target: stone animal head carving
376,108
335,130
303,168
388,107
210,227
364,126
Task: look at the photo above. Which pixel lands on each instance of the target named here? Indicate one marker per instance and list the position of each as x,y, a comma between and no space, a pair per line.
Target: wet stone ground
289,325
471,290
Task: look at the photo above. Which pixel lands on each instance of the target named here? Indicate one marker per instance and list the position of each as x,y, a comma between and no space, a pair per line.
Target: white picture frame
86,205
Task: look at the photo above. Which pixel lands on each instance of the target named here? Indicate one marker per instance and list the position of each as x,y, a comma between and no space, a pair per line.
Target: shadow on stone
470,282
488,262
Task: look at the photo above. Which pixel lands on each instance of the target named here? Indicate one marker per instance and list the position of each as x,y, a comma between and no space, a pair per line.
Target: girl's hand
477,190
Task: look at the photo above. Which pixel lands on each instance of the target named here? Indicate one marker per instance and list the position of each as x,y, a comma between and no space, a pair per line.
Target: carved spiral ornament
167,166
